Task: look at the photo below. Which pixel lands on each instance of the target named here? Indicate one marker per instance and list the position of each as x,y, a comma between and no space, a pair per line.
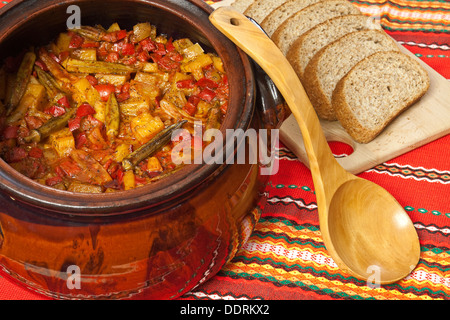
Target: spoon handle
253,41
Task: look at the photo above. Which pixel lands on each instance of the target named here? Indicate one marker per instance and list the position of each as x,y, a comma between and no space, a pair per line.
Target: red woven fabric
289,227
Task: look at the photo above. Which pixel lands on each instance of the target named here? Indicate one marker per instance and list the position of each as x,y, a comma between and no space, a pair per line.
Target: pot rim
179,183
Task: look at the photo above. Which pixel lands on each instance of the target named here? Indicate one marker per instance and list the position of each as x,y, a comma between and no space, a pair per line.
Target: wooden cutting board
425,121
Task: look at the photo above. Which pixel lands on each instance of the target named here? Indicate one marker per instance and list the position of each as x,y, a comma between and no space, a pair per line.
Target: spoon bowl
365,230
385,254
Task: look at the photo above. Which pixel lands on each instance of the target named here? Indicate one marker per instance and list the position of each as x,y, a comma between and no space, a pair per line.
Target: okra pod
148,149
112,117
102,67
54,89
53,125
90,33
55,68
23,77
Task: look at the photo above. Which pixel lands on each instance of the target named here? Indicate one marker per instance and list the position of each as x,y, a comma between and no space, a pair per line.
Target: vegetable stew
94,110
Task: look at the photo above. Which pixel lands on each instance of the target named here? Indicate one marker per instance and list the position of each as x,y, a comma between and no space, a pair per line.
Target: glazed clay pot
161,240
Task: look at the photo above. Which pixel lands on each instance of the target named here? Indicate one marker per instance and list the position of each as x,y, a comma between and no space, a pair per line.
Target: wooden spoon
365,230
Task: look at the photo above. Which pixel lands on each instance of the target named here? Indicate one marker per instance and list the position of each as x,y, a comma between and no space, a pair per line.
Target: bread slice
312,41
241,5
376,91
259,9
333,62
309,17
281,13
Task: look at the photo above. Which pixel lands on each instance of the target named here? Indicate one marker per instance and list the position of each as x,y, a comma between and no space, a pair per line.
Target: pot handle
269,101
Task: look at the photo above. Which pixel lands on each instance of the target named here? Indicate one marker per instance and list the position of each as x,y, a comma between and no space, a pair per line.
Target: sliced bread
305,47
333,62
307,18
259,9
241,5
376,91
281,13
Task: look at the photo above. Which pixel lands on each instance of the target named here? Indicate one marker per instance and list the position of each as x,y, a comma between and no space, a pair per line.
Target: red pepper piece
169,45
70,168
160,48
112,57
115,36
148,44
76,41
85,109
207,83
55,111
53,181
92,80
128,49
207,94
35,152
143,56
74,124
80,140
186,84
10,132
41,65
64,101
90,44
63,55
17,154
105,90
167,64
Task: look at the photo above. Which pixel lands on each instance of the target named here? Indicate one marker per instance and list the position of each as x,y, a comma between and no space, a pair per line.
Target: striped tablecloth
285,257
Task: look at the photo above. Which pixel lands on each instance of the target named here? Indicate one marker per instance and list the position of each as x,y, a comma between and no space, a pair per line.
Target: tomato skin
105,90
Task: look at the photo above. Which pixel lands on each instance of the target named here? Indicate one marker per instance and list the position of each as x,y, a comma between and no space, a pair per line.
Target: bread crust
348,120
312,79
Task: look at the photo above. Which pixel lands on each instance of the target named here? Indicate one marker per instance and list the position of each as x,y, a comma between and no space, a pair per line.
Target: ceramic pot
159,241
